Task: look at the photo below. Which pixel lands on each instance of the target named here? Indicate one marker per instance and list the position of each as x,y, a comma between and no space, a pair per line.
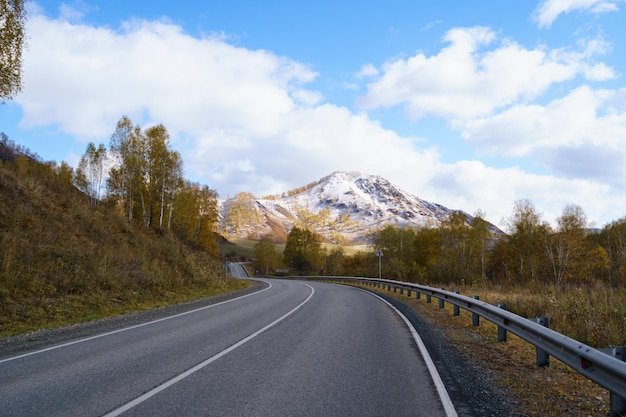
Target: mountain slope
343,207
63,261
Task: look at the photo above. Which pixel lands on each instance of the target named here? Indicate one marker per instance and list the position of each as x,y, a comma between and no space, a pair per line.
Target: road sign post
379,253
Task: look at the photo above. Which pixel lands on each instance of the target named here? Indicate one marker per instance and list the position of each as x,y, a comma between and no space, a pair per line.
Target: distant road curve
292,348
237,270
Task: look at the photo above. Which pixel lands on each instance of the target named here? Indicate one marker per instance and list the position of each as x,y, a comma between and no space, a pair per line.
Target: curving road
291,349
237,270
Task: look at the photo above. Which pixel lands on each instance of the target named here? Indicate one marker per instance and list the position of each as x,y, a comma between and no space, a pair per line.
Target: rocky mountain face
343,207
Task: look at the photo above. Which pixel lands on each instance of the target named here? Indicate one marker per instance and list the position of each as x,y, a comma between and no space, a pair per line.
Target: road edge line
446,402
97,336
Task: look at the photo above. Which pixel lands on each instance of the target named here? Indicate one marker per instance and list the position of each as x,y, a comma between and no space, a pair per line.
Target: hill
343,207
63,261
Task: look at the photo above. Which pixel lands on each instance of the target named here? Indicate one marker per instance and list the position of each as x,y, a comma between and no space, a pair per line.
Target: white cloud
307,98
472,186
598,72
244,120
83,79
311,143
549,10
466,80
578,136
367,71
430,25
74,12
245,117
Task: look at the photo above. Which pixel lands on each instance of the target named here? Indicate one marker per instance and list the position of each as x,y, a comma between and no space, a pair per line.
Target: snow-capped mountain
343,207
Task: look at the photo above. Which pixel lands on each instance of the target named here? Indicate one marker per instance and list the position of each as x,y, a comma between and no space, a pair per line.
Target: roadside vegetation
70,252
574,275
571,274
510,366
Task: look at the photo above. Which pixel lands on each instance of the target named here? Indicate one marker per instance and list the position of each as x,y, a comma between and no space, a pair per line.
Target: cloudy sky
472,105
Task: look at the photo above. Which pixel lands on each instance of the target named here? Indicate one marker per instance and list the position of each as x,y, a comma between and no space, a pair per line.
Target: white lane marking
201,365
434,374
74,342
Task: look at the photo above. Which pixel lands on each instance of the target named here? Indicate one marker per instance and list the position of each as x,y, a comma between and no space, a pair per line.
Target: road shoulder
41,339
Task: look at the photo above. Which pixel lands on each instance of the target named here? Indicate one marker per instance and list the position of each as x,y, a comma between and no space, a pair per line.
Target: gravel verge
470,389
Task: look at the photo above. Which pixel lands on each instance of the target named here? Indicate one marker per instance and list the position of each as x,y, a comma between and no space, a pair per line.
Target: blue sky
472,105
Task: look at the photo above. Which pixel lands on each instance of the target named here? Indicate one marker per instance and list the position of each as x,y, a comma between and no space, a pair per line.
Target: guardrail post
475,316
417,294
442,303
501,330
429,298
618,404
457,309
589,362
401,290
543,358
408,292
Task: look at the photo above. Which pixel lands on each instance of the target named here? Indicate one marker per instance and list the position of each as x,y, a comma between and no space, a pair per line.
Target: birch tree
156,163
613,240
303,251
126,176
195,215
527,233
91,171
398,246
565,248
480,236
267,257
171,185
12,39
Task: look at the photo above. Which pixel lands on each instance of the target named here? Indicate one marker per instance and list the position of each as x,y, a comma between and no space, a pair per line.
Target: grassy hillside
237,249
63,261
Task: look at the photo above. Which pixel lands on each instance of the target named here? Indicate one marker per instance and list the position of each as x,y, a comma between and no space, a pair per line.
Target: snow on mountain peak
343,207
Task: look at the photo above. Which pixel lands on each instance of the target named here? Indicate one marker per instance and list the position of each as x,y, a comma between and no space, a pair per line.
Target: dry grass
552,391
593,314
62,261
245,247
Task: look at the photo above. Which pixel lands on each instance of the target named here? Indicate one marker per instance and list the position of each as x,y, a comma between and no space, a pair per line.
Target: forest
571,273
464,250
145,183
77,244
90,233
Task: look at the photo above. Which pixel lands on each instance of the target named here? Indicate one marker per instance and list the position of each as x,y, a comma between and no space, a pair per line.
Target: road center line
201,365
74,342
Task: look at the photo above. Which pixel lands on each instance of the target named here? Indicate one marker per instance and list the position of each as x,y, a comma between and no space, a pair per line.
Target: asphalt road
236,270
292,349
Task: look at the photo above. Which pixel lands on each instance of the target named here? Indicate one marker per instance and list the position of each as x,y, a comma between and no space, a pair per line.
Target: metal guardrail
601,368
